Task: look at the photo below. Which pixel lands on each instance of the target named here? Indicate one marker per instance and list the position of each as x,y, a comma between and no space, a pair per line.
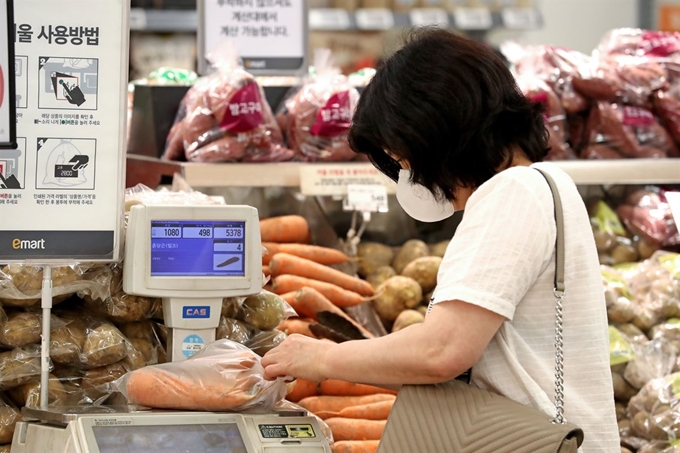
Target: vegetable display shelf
150,171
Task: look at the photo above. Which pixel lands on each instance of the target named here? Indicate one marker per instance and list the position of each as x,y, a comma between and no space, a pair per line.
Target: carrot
288,228
308,302
160,389
296,326
266,270
373,411
285,264
303,389
333,387
355,429
340,297
321,255
324,403
355,446
289,297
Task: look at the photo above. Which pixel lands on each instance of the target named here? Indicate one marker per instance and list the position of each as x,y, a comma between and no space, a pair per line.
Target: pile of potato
404,279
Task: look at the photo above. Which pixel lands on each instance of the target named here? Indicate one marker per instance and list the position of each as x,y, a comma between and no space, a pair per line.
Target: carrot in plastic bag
225,376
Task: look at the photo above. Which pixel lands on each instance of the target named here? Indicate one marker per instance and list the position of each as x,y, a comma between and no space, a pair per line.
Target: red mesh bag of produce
225,118
320,114
629,131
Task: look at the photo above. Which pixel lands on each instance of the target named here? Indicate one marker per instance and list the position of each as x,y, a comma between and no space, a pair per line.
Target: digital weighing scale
192,257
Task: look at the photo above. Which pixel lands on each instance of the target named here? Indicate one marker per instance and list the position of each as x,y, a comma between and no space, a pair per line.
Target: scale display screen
224,438
197,248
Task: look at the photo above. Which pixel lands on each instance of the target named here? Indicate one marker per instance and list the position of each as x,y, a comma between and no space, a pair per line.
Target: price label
424,17
375,19
137,19
366,198
473,18
520,18
329,19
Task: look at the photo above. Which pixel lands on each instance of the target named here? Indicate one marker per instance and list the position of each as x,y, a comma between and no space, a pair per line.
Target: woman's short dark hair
450,107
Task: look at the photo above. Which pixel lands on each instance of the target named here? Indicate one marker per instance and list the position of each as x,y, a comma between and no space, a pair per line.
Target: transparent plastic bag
21,285
119,306
20,329
234,330
654,411
646,212
9,416
29,394
320,113
264,311
225,376
225,118
263,342
667,107
653,359
19,366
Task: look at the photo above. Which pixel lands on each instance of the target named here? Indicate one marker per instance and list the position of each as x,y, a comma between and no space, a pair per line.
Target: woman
444,118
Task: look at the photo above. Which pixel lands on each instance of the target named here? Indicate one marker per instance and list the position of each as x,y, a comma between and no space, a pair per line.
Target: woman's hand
298,356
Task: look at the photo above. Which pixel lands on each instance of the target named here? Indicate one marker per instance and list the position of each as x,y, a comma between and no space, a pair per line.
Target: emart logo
23,244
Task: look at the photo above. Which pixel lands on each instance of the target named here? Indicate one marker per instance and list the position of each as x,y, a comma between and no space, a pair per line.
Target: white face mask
420,203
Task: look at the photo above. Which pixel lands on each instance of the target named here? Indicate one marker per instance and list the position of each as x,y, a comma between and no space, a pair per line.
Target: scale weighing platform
191,257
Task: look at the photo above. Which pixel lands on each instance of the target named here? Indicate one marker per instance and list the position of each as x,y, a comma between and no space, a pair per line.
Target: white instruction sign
270,35
334,179
7,124
63,189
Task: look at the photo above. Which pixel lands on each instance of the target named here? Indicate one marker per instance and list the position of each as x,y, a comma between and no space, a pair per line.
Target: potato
5,448
620,411
645,248
439,249
623,391
624,253
141,330
373,255
604,241
9,416
17,367
95,382
410,251
134,358
265,341
380,275
103,346
122,307
622,311
21,329
396,295
233,330
632,332
263,311
28,280
67,341
422,310
424,271
640,424
645,319
624,428
29,394
230,307
407,318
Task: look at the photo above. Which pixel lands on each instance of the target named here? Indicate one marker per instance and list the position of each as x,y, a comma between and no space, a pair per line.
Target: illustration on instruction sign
21,85
66,163
13,166
68,83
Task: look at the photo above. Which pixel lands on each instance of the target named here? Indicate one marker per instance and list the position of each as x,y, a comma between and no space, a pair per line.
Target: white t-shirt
502,259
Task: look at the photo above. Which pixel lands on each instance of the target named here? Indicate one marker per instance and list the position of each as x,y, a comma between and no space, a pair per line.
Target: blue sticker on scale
191,345
191,312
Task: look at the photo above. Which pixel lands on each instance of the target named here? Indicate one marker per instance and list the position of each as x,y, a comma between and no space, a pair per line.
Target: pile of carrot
355,413
302,276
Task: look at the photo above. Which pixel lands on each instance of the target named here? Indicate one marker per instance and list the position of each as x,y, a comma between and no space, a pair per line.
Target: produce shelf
147,170
473,19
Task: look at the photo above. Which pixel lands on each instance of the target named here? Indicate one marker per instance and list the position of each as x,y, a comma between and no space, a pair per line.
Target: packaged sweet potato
320,113
225,117
632,131
555,117
646,212
667,107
